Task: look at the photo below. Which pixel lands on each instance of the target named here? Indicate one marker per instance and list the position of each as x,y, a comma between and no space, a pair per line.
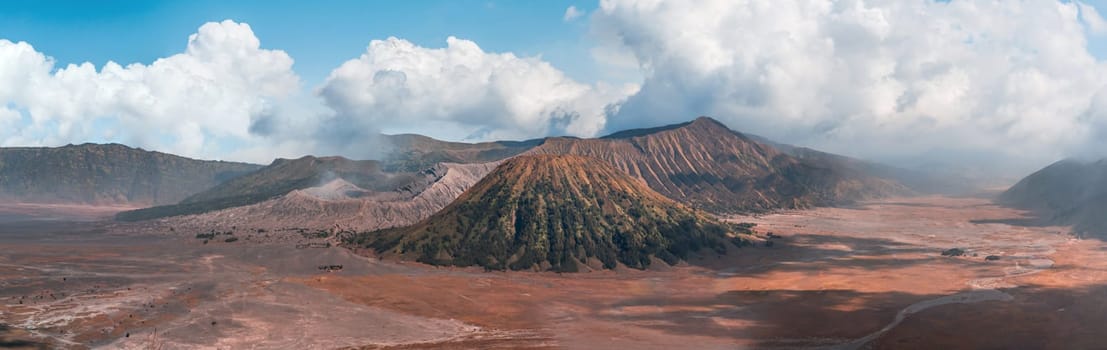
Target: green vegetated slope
107,174
556,212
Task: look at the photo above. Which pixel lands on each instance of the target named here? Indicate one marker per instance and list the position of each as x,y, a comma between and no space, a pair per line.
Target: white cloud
187,103
875,78
461,91
8,120
572,13
1096,24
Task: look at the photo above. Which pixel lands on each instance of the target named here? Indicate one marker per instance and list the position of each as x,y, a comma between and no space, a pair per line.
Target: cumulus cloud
1092,19
572,13
8,120
189,103
460,92
873,78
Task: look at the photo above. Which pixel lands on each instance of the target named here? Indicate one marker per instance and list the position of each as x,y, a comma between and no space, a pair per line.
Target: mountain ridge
1067,192
281,177
313,208
701,163
92,173
707,165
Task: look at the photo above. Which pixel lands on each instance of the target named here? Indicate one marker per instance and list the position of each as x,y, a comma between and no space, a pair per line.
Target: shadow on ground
12,338
1037,318
810,252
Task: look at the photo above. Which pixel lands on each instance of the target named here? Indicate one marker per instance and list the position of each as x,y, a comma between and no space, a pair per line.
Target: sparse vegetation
306,233
573,210
91,173
330,268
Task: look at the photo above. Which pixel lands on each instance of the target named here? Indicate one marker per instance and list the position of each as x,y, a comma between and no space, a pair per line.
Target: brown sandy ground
12,211
835,279
68,285
865,277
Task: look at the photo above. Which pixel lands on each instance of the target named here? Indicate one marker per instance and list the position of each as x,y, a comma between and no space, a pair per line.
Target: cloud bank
888,79
462,92
873,78
225,97
184,103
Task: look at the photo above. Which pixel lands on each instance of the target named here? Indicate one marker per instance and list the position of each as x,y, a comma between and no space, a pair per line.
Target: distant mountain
408,152
277,179
350,207
699,163
107,174
1068,192
921,181
704,164
555,212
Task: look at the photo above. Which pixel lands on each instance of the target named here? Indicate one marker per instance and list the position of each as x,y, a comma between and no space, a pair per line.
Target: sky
996,84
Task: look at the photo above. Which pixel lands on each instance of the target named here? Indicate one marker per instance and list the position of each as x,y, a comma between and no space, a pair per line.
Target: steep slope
704,164
554,212
408,152
277,179
1068,192
107,174
344,204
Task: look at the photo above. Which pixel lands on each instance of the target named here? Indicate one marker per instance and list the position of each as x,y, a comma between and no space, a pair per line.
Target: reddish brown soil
865,277
1064,307
836,275
75,212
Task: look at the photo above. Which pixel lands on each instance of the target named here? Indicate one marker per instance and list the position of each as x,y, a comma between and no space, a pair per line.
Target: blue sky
1016,79
319,35
1098,45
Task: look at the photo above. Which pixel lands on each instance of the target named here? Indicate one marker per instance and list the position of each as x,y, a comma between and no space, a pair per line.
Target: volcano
556,212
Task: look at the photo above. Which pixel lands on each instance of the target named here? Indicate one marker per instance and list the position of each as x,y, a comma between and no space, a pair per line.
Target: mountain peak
702,123
705,120
711,125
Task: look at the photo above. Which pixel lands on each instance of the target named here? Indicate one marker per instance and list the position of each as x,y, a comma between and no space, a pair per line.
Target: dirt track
864,277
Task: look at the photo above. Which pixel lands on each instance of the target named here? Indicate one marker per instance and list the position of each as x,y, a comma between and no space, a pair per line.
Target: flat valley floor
865,277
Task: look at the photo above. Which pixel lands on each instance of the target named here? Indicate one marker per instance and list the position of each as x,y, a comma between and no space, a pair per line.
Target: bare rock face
701,163
555,212
706,165
348,206
107,174
337,189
